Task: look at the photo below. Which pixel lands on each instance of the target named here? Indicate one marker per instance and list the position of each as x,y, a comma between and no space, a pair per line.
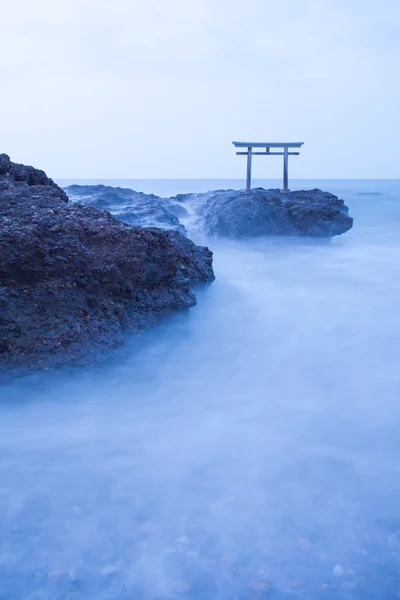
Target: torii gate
267,146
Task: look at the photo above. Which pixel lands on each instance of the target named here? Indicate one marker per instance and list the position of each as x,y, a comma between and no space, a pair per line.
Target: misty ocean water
246,449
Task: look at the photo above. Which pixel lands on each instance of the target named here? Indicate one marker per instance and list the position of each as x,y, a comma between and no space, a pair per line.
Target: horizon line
228,178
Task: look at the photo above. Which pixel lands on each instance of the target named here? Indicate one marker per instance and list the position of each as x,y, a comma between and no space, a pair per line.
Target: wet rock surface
226,213
129,206
73,279
256,212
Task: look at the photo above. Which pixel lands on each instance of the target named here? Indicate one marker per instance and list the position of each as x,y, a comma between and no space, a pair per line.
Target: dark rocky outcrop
242,213
226,213
73,279
13,173
129,206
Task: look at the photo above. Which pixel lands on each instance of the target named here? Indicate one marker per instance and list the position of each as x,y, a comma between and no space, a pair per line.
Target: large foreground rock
242,213
129,206
73,279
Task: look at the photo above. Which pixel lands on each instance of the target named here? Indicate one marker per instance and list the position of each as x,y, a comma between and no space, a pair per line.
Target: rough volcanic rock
128,206
13,174
242,213
73,279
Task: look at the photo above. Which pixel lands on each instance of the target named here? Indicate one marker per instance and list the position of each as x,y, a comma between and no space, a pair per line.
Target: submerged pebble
338,571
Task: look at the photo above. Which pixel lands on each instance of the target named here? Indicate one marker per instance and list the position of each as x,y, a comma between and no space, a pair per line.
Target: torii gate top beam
267,145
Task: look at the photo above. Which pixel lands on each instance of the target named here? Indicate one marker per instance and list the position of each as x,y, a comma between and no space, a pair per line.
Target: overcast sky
160,88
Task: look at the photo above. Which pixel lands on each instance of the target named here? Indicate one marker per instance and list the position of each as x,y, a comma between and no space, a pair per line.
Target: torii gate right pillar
249,158
285,170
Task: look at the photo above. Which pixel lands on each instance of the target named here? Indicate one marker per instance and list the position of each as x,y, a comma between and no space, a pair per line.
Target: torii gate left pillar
268,145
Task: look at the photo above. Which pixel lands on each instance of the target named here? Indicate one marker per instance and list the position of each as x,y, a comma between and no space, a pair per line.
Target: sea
246,449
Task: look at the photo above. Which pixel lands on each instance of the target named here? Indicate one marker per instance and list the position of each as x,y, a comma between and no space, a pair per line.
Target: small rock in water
325,587
348,585
299,584
338,571
259,586
368,194
183,539
59,577
182,588
305,543
394,541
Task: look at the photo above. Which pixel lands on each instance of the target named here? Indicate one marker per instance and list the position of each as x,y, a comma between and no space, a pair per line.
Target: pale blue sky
152,88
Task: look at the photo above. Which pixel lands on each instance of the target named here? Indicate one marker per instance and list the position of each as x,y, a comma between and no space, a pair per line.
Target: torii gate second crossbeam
268,145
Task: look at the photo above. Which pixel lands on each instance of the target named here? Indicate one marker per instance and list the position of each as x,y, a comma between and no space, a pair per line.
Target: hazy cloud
155,89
